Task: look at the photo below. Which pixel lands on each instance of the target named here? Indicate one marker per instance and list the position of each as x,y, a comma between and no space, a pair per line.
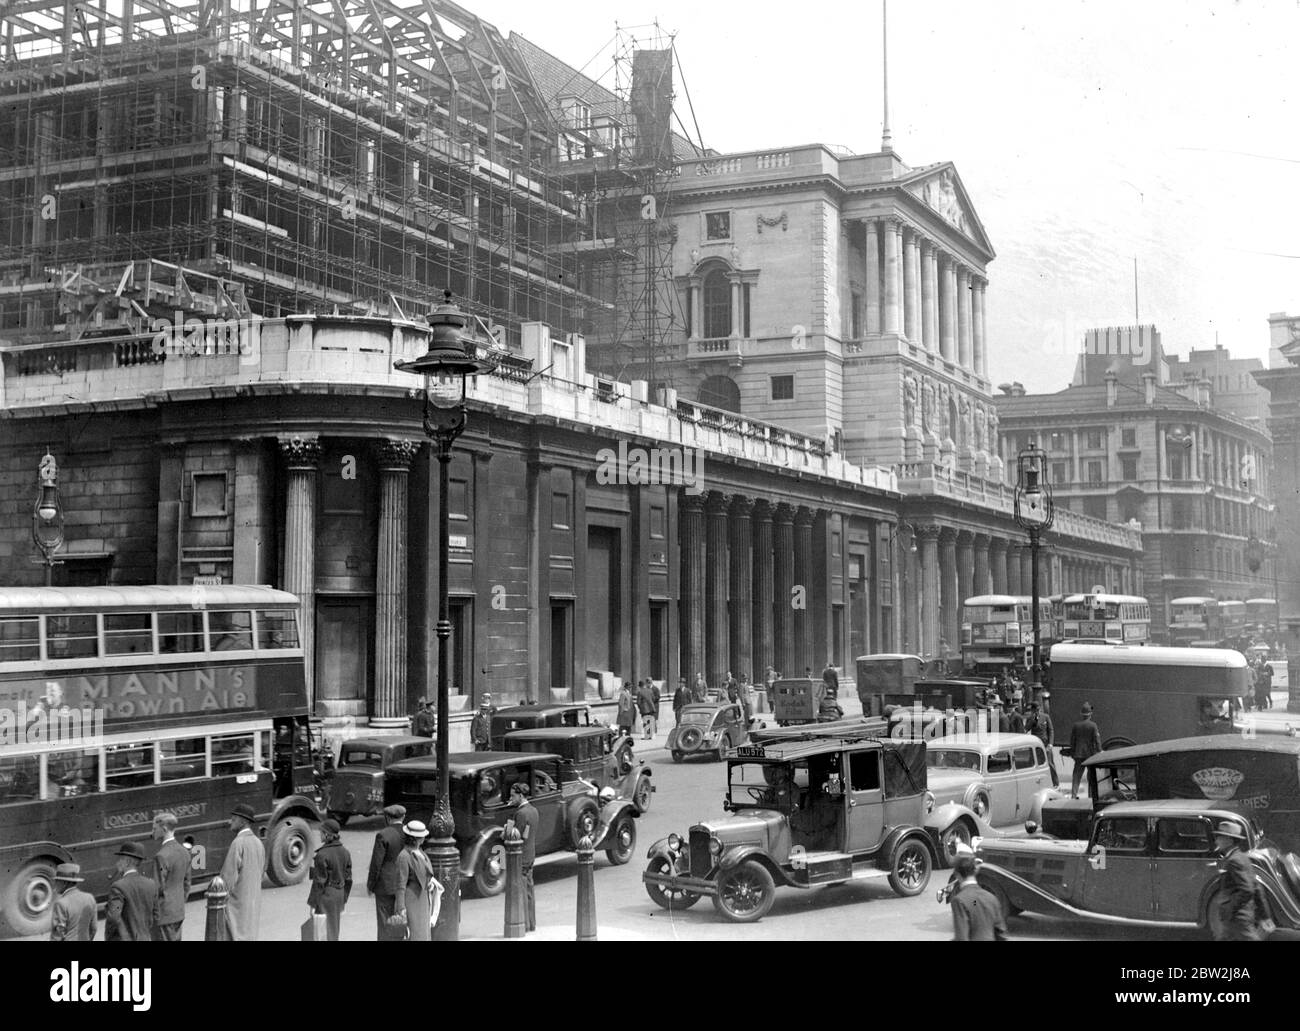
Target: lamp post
452,355
47,516
1034,514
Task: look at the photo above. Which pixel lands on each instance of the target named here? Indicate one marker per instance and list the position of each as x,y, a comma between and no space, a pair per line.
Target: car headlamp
929,801
715,846
606,794
674,842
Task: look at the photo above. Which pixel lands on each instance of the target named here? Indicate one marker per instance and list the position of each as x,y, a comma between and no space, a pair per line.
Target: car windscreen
904,769
952,759
701,719
361,756
771,784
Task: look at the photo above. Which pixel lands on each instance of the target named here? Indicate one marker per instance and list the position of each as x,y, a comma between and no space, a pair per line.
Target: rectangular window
207,494
835,543
1095,506
1123,834
864,771
231,754
20,639
1128,467
128,766
782,388
277,628
71,637
128,633
20,778
1060,472
1059,442
688,316
1000,762
717,225
1128,436
458,499
231,630
560,510
657,522
186,759
180,632
1175,463
1095,440
68,774
1095,473
1024,758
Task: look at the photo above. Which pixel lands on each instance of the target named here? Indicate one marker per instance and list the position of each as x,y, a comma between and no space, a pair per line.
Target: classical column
691,521
1027,570
997,566
963,319
1013,568
950,630
929,590
764,653
929,297
981,584
977,326
873,276
806,578
717,636
737,322
741,555
965,572
391,704
911,288
301,458
948,309
783,562
908,593
893,278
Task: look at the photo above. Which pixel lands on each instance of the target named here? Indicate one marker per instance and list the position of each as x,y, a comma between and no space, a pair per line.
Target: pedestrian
525,820
132,900
1003,716
480,727
658,697
382,880
681,699
976,914
172,871
413,907
648,707
626,715
831,679
1085,741
1264,686
74,909
331,878
746,698
426,722
1016,719
700,692
1239,903
1040,725
242,871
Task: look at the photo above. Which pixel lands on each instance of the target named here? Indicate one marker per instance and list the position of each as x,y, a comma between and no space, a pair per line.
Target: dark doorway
343,661
658,642
561,646
601,598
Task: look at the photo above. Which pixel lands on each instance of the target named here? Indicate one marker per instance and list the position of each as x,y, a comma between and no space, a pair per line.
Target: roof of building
1089,399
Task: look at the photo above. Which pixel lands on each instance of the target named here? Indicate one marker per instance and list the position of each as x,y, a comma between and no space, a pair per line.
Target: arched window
717,304
720,392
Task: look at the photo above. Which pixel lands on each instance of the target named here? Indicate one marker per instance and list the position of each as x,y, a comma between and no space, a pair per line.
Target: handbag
313,929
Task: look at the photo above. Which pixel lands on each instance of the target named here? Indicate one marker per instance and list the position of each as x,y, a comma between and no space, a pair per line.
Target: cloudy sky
1088,132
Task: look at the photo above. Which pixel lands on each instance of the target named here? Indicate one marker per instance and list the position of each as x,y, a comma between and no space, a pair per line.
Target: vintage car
707,728
567,810
525,717
589,753
1144,862
356,785
801,814
1002,778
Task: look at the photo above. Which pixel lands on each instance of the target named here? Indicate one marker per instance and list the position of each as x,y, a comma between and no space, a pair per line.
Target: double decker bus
1120,618
997,631
1232,618
1261,618
124,702
1193,619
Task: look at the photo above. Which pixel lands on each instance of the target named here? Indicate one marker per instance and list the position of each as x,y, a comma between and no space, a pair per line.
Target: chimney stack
1149,386
1112,389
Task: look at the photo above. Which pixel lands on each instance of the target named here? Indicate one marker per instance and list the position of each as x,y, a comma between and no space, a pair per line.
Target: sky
1088,133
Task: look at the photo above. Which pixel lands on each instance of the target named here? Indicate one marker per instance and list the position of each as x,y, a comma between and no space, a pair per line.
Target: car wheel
490,870
28,901
641,794
980,804
340,818
745,892
663,897
957,834
584,822
690,739
623,836
289,852
909,870
677,756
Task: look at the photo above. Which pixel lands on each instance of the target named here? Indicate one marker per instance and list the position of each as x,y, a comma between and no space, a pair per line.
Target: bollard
217,930
586,890
516,919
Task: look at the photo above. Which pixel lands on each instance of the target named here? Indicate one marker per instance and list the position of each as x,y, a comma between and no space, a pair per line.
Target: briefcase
313,928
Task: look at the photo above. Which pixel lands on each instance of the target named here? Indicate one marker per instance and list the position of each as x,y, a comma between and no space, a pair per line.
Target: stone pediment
941,190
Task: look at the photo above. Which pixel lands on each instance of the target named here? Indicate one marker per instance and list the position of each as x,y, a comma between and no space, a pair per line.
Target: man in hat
426,724
132,900
1238,910
74,909
1085,741
331,878
480,727
172,866
525,820
382,881
1039,724
242,871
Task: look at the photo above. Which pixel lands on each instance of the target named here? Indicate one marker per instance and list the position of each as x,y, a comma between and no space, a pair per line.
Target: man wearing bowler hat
382,881
480,727
242,871
74,909
1239,910
331,878
1085,741
132,900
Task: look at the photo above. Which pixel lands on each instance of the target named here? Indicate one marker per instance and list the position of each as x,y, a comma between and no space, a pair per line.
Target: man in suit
831,679
976,914
132,900
526,823
172,871
242,871
382,881
1237,898
426,723
1039,724
1085,741
331,878
74,909
480,727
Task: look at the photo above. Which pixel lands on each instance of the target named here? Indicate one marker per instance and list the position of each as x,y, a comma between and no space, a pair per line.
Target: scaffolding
239,157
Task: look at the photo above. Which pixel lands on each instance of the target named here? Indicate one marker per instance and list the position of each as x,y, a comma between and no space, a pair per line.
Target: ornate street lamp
452,355
47,516
1034,514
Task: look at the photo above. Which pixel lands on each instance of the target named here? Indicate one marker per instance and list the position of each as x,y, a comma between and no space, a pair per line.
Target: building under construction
237,157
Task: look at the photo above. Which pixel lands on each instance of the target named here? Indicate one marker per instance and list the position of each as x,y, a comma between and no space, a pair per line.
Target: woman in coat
414,872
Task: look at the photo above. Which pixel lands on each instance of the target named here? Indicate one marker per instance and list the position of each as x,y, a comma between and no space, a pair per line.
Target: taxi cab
356,785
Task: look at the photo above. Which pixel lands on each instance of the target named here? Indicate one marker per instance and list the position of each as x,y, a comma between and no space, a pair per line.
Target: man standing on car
1238,909
1085,741
480,727
382,882
525,820
1040,725
976,914
172,865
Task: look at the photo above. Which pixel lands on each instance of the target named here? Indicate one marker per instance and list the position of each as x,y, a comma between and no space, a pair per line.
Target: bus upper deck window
231,630
180,632
128,633
277,628
71,637
20,639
